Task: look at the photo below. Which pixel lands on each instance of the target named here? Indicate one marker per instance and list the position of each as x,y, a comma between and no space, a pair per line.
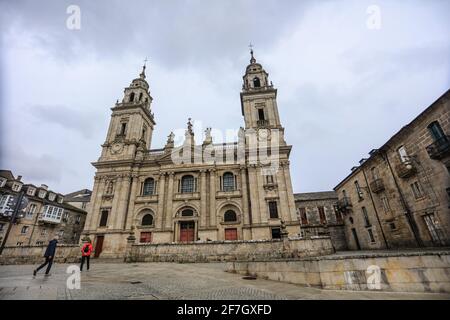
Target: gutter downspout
375,208
408,214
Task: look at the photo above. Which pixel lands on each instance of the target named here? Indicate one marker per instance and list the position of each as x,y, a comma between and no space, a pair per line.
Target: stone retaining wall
230,250
34,254
427,271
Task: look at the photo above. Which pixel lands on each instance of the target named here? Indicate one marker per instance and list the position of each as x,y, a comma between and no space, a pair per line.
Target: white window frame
31,210
403,154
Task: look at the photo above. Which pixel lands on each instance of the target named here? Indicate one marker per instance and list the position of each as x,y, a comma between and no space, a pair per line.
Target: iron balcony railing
344,204
377,185
405,169
439,148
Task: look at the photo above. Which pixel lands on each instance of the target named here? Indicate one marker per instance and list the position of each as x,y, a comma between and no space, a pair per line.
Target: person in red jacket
86,254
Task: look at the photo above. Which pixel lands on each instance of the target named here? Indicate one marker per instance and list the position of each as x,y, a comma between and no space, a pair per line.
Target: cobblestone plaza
167,281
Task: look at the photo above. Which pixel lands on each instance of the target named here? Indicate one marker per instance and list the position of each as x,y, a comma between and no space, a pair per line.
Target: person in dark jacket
86,254
49,255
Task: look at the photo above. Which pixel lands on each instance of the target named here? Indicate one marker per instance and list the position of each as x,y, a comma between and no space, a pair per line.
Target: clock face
263,134
116,148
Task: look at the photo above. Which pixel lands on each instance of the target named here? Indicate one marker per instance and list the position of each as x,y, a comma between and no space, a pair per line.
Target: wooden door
146,237
187,231
98,246
231,234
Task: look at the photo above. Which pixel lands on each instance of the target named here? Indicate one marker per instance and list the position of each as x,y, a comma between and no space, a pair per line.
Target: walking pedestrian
86,254
49,255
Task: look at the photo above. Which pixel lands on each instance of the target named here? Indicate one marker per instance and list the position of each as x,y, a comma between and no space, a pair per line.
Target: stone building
45,215
400,195
318,215
223,191
79,199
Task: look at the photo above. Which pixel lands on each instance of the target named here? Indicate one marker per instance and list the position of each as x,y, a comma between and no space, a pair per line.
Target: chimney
19,178
44,186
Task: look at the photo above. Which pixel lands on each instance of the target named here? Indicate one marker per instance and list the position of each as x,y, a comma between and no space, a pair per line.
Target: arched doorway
187,226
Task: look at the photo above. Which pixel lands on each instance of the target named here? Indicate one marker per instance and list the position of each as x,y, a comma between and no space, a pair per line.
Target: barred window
187,184
228,181
149,187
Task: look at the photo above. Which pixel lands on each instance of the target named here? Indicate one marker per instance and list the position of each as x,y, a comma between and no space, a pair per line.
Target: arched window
147,220
187,184
187,213
132,97
228,181
110,187
256,82
140,96
149,187
230,216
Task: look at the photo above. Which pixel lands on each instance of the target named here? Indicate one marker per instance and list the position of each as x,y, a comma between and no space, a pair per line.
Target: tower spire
252,60
142,75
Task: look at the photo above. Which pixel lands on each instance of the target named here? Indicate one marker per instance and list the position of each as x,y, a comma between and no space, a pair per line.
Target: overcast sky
343,88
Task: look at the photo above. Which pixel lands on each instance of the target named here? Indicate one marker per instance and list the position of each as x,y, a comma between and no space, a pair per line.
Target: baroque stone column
203,198
121,204
130,210
169,202
282,192
290,193
212,195
254,198
263,210
161,199
95,203
245,207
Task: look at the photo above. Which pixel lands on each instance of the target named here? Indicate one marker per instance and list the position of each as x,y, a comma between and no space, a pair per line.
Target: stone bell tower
259,102
131,127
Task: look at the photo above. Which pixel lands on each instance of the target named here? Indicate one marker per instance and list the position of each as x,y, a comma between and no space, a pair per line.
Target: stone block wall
427,271
34,254
230,250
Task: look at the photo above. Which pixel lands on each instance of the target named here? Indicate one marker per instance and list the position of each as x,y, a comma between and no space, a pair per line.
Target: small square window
276,233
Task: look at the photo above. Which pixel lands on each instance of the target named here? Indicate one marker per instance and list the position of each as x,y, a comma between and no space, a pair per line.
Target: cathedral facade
193,192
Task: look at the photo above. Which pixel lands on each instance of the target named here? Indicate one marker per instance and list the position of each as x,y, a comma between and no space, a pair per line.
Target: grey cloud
175,33
66,118
337,98
35,169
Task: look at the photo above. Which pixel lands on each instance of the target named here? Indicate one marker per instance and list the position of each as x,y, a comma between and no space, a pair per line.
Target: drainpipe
408,214
375,208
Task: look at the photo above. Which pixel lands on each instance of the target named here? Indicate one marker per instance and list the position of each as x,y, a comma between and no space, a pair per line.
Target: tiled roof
315,195
83,195
7,174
